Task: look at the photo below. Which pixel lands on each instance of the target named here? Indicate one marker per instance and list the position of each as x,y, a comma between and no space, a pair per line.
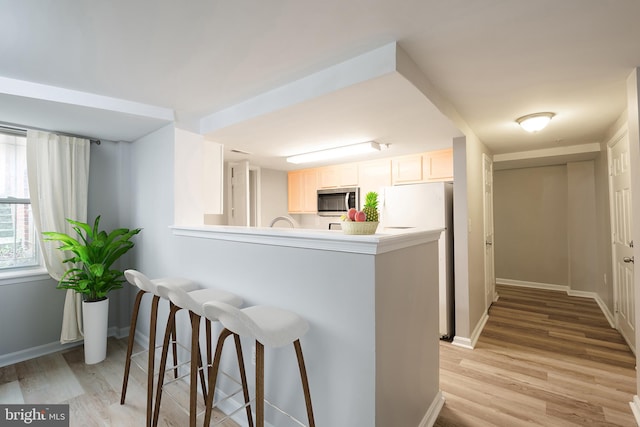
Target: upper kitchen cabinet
338,176
406,169
198,178
438,165
303,185
373,175
425,167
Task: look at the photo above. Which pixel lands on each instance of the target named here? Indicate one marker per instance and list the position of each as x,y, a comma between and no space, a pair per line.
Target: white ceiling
140,63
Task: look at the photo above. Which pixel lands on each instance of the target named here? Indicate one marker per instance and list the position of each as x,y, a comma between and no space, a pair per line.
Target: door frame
487,205
620,133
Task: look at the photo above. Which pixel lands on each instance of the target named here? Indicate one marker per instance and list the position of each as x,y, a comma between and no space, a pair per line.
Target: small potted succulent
94,253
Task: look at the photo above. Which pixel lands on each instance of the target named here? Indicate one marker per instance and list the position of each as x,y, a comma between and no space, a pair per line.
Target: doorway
244,194
489,266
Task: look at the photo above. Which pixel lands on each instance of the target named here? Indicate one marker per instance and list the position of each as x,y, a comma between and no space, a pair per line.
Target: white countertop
385,240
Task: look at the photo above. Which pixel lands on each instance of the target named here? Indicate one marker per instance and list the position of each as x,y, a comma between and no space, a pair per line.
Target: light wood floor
543,359
93,391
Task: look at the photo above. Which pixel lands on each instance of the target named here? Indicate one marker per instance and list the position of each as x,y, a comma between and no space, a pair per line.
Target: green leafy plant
94,253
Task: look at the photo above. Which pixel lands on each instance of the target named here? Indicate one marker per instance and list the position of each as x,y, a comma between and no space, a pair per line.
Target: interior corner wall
273,194
530,224
551,226
582,227
475,205
461,239
33,308
109,197
604,285
469,235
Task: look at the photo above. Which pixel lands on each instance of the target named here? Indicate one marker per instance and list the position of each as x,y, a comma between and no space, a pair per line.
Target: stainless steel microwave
336,201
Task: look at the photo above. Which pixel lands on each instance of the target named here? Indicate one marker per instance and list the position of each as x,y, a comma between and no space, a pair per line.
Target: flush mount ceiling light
535,122
332,153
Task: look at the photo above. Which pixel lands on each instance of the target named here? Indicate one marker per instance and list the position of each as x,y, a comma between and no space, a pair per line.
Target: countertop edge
334,241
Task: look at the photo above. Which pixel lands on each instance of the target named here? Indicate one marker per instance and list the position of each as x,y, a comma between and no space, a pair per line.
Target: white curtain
58,169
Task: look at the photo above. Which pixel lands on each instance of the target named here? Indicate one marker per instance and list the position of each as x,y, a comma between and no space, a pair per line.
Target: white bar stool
268,326
148,286
193,302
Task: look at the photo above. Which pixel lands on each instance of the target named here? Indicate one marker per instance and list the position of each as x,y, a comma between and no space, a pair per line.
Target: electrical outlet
253,355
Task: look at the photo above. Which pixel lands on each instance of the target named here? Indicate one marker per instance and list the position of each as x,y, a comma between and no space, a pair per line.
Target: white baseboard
431,416
635,408
536,285
563,288
33,352
471,342
53,347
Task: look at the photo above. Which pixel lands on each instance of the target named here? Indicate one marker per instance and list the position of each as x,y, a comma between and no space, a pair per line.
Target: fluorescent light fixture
332,153
535,122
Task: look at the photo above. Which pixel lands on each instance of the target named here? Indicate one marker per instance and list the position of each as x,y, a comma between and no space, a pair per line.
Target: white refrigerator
426,206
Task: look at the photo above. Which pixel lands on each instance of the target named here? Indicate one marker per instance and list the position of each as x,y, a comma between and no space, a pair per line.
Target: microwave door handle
346,200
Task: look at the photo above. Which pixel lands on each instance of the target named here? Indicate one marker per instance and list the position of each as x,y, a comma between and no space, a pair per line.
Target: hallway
544,358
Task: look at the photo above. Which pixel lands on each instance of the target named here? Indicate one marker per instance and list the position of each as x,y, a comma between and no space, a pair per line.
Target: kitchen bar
372,304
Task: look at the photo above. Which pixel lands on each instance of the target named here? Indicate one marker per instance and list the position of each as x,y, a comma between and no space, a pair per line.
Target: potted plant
92,276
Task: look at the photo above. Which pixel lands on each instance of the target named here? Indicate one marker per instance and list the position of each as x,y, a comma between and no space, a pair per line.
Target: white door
621,222
239,201
489,273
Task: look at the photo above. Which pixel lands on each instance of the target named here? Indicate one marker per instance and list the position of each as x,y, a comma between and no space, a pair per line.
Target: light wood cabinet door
372,176
406,169
302,191
438,165
338,176
310,191
295,191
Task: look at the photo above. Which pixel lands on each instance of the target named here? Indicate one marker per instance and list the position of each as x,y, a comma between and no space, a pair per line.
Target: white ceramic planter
95,317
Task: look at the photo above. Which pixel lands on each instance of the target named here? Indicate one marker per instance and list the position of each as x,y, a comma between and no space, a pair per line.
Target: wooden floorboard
92,391
543,359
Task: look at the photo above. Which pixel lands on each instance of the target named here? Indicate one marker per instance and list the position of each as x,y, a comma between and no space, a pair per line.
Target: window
18,242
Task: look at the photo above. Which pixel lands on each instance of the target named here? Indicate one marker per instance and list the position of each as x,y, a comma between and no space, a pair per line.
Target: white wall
273,195
239,268
530,213
550,225
34,308
468,218
584,273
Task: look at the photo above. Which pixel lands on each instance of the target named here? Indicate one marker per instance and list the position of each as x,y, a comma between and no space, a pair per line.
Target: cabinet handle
627,259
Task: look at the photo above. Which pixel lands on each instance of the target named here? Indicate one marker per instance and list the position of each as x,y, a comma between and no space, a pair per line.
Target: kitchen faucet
283,218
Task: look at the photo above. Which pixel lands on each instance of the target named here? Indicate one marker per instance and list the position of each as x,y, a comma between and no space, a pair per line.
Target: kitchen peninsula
372,305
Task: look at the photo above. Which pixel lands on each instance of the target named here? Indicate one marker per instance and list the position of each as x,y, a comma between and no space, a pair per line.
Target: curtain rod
20,128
